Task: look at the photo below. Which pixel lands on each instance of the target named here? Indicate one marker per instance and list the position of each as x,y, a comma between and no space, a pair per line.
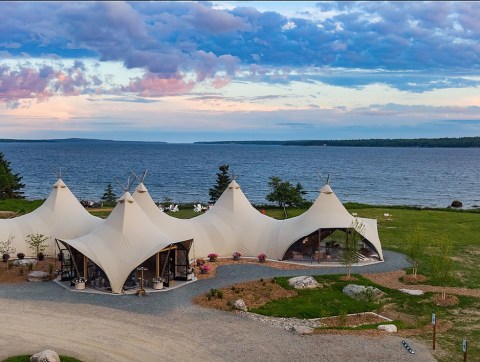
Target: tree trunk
285,211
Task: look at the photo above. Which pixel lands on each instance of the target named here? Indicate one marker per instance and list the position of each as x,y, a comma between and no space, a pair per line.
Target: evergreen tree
223,179
109,198
10,184
285,194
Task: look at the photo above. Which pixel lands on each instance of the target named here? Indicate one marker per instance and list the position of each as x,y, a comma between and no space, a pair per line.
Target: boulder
38,276
390,328
240,305
45,356
303,282
302,330
24,262
456,204
360,292
412,291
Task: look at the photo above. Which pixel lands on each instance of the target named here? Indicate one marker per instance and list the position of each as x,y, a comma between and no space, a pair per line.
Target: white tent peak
233,185
126,197
326,189
141,188
60,184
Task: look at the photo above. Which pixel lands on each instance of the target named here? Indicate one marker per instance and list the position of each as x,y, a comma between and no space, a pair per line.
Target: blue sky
199,71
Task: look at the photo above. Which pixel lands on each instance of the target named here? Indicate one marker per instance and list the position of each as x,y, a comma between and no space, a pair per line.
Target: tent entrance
169,264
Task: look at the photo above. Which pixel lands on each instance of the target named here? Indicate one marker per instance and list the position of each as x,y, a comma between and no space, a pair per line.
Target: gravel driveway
167,326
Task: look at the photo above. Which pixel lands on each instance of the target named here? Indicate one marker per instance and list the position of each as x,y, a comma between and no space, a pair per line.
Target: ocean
425,177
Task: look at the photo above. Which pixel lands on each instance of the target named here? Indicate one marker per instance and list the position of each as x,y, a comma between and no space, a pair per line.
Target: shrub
10,265
50,268
30,267
213,256
5,257
236,255
20,255
21,271
212,293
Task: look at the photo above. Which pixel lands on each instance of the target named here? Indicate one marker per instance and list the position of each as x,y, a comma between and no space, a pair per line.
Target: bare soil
411,279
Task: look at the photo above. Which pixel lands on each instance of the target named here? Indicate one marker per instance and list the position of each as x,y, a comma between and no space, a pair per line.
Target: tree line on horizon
460,142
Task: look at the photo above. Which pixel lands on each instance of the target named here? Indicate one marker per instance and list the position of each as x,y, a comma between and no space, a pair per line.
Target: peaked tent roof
60,216
233,224
127,238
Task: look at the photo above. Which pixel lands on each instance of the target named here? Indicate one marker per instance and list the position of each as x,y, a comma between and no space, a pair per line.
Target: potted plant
236,255
40,256
20,255
157,283
190,274
261,258
5,257
205,269
200,262
79,283
212,256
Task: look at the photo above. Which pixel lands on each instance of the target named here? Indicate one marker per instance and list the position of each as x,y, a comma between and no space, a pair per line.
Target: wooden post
84,266
158,266
434,324
464,347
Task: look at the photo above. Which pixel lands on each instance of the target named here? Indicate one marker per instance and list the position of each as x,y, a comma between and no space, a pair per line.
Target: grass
26,358
19,205
329,301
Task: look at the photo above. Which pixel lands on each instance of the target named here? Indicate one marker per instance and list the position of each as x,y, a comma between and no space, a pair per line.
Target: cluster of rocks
25,262
296,325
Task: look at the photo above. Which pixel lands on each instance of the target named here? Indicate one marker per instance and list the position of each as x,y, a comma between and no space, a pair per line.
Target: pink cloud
151,85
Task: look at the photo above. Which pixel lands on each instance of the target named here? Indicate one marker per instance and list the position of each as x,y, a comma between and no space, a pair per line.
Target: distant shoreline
460,142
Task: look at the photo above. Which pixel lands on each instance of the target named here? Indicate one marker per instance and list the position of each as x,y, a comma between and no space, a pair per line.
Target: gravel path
167,326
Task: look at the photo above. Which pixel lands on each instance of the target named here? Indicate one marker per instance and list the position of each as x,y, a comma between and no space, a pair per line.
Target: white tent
60,216
233,224
125,240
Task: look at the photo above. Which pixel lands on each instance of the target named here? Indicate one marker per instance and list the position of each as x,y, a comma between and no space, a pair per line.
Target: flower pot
157,285
190,276
80,285
213,259
261,260
5,257
236,258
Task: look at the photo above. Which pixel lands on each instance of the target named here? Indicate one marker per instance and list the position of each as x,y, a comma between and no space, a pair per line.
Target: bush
21,271
10,265
30,267
50,268
212,293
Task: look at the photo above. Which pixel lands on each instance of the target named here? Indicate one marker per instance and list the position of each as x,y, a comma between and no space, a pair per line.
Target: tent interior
325,245
167,266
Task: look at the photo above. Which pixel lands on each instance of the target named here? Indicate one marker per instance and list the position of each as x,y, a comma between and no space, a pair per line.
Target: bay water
426,177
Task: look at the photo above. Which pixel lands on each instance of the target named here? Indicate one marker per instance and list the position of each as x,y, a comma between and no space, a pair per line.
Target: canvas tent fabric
60,216
233,224
126,239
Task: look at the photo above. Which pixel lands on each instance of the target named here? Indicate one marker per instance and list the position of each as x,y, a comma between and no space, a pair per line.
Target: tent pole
319,241
158,265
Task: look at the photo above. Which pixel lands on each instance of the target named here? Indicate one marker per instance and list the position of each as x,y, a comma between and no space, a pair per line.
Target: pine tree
10,184
223,179
109,198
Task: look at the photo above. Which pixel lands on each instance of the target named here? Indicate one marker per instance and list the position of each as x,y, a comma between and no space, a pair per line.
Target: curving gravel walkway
167,326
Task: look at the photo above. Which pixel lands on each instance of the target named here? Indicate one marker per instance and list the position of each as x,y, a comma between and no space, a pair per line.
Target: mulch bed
14,276
254,294
410,279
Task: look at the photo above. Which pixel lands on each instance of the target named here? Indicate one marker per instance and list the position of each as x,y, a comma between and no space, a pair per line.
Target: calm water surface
184,172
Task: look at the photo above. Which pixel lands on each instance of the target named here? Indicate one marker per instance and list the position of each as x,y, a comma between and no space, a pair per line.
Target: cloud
151,85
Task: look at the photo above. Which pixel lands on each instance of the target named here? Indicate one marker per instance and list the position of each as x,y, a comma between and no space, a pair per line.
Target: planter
190,276
261,260
236,258
158,285
5,257
80,285
213,259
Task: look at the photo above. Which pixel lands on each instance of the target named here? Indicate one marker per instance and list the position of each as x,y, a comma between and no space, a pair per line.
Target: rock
302,330
390,328
38,276
360,292
45,356
24,262
240,305
412,291
303,282
456,203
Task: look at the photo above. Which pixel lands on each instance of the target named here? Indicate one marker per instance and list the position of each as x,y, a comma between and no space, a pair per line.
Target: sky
207,71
